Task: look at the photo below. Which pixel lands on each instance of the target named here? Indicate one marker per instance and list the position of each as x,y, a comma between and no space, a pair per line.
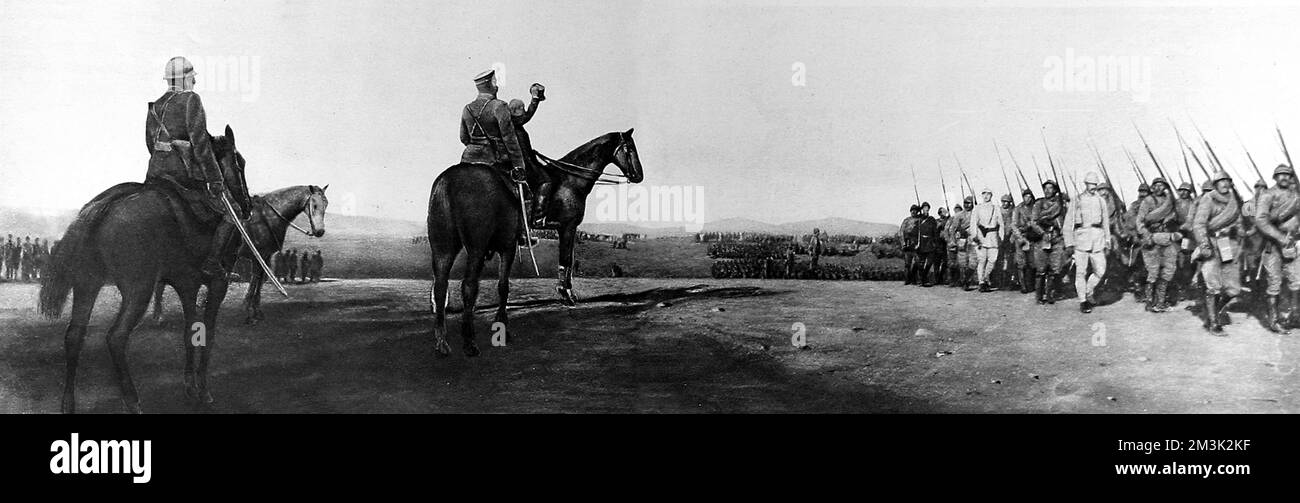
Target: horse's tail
72,254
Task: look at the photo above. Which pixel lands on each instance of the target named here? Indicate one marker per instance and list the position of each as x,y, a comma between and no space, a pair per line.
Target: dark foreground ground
667,345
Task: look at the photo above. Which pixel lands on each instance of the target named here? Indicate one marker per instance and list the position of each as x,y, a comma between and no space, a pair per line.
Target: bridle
586,173
310,221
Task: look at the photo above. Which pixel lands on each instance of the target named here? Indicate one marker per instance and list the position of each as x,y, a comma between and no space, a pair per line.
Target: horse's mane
599,148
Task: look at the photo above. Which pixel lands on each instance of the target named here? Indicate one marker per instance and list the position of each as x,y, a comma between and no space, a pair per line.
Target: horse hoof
442,349
471,350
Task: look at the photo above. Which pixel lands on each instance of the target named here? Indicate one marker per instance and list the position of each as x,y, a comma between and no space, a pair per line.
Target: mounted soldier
181,158
543,182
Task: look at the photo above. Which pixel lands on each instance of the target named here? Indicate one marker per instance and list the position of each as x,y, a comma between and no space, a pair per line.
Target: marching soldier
178,115
1157,225
1252,242
986,229
1088,240
950,237
1046,220
941,247
907,237
965,253
927,230
1006,245
1216,223
1022,246
1184,208
1275,219
1137,268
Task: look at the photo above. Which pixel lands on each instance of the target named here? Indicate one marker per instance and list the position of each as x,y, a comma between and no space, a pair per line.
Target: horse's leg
564,276
158,303
253,299
135,301
469,297
189,294
438,297
503,286
216,294
83,301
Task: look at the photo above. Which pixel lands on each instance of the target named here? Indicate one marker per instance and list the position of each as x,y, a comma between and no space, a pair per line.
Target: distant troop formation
24,259
1167,246
297,266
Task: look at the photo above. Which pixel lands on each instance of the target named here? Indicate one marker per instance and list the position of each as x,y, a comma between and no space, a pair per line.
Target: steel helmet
178,68
1219,175
1144,188
1006,198
1187,187
1281,169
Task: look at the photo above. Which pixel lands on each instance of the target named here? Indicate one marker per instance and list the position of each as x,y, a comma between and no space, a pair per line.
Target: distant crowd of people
295,266
24,259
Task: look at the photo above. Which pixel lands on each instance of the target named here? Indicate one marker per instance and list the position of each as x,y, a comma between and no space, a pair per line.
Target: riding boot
212,265
1025,283
1222,316
1271,321
1040,289
1053,282
1211,315
1142,293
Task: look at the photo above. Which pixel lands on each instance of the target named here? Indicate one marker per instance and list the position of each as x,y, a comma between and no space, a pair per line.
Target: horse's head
315,209
626,158
232,166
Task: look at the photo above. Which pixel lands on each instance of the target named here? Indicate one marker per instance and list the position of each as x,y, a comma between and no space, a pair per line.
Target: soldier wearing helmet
180,152
965,253
952,232
907,236
1275,219
1252,243
1184,271
1088,238
1216,224
1157,226
1021,243
1047,220
941,246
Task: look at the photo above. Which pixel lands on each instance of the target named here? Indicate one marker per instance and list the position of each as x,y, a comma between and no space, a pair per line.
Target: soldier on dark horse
477,205
176,228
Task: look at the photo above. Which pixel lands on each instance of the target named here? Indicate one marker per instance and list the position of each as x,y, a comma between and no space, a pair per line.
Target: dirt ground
659,345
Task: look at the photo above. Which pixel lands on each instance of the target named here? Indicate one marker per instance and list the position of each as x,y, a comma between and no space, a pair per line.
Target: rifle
944,186
1136,169
1018,170
1152,154
1214,157
914,191
1003,167
1055,175
1105,172
1284,150
963,176
1188,148
1037,169
1252,162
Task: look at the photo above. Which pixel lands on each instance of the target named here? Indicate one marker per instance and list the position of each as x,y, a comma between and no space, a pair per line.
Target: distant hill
836,225
743,225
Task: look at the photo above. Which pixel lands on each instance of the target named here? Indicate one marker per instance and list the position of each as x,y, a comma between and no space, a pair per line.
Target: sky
777,111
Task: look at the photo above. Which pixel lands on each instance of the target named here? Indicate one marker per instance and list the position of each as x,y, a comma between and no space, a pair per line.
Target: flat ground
671,345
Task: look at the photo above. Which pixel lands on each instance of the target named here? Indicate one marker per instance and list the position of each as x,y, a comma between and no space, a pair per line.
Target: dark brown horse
472,207
135,236
269,220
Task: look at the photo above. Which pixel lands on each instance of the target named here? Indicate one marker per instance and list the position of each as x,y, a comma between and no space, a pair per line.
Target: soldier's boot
212,265
1222,316
969,281
1025,284
1040,289
1053,283
954,277
1270,322
1293,319
1156,299
1142,293
1211,315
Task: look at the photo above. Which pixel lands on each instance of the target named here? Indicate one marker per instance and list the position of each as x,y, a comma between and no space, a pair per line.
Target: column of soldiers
24,259
294,266
1168,246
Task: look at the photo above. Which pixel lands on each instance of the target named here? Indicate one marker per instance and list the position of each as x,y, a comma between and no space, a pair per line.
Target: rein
290,222
583,171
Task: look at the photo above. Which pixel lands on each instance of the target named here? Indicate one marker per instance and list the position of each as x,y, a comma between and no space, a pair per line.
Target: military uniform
1275,219
1021,247
1157,225
941,247
927,230
986,227
1137,269
965,248
1252,242
487,129
1088,233
1216,225
950,238
1047,220
907,237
